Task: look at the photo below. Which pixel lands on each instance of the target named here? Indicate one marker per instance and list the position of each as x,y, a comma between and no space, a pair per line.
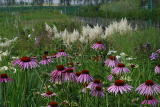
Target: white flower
126,78
111,52
4,68
14,57
123,54
130,58
118,57
5,53
29,35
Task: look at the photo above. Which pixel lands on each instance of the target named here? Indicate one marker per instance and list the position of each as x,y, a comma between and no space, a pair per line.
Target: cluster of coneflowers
148,89
32,62
64,74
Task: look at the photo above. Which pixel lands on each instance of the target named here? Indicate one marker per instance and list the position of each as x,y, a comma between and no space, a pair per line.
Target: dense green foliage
14,22
121,9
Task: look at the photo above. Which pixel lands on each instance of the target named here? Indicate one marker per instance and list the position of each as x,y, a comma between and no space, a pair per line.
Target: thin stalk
26,88
4,92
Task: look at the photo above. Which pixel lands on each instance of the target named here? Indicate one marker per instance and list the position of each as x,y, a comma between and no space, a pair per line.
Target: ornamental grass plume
8,42
121,27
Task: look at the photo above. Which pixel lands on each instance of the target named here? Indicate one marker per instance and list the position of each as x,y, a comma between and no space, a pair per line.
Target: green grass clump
132,42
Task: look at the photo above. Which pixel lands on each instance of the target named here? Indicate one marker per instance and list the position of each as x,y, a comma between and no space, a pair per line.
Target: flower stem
119,101
4,92
26,87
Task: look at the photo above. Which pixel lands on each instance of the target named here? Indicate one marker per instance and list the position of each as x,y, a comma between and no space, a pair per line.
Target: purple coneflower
96,82
49,94
53,104
158,51
110,77
4,78
45,60
97,91
53,55
85,77
119,87
112,61
154,56
61,53
98,46
120,69
150,100
69,75
148,88
157,69
57,75
26,63
77,75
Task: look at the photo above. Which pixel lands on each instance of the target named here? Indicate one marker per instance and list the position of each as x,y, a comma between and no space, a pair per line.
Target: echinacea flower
120,86
154,56
158,51
97,91
157,69
69,75
120,69
49,94
77,75
45,60
85,77
57,75
53,104
110,77
26,63
148,88
150,100
61,53
4,78
96,82
98,46
112,61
